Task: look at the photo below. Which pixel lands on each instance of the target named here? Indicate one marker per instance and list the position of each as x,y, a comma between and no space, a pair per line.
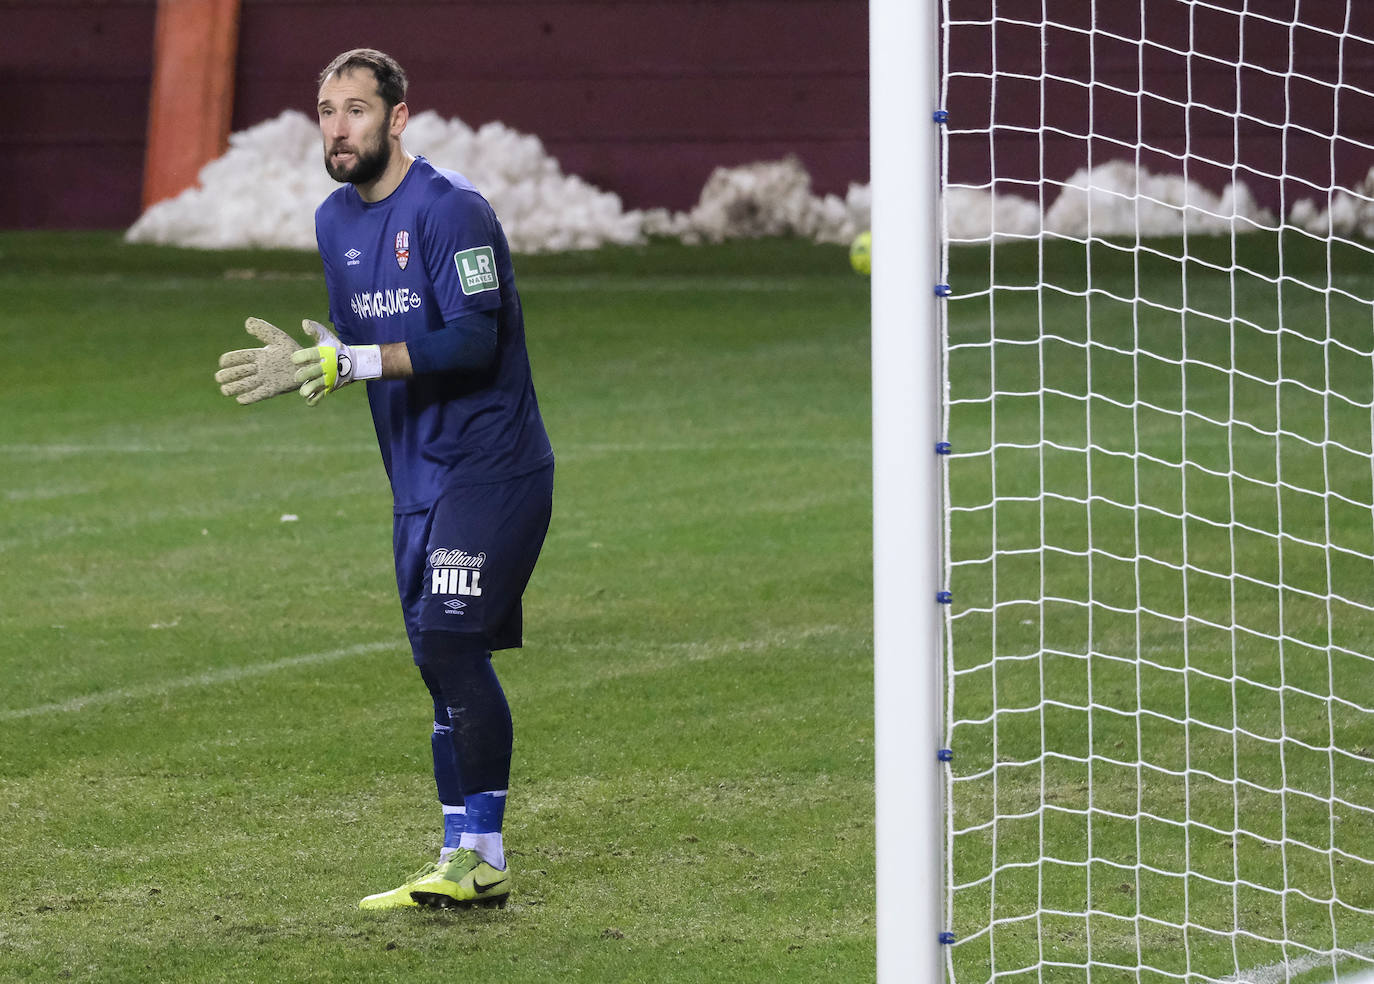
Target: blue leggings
472,724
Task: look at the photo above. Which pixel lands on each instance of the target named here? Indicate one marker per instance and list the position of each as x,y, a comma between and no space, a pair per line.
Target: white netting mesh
1161,492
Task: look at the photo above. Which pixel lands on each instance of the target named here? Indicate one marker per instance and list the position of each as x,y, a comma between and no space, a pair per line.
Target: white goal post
1123,277
906,506
905,349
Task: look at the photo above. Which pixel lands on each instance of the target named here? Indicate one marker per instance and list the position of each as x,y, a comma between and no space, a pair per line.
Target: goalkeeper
424,308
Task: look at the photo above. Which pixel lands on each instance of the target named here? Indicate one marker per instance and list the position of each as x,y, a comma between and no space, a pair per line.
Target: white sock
488,847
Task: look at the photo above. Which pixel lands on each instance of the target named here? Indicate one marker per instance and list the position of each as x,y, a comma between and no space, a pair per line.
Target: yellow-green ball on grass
861,253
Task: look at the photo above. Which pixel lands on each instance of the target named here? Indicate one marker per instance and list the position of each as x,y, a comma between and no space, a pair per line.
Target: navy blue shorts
463,566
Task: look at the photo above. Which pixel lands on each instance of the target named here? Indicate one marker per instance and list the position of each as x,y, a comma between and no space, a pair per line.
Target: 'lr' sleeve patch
476,269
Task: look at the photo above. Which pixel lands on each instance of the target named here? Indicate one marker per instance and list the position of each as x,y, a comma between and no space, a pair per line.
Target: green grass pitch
213,743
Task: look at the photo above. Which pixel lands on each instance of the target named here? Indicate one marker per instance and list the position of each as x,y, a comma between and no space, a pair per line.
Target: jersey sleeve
460,241
330,279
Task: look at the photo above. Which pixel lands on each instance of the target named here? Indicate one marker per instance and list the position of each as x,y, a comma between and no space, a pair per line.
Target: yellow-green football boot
399,897
465,879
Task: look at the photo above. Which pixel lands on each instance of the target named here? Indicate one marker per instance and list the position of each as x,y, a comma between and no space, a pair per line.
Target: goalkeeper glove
332,364
250,375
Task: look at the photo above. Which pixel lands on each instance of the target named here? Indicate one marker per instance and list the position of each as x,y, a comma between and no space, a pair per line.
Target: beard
369,160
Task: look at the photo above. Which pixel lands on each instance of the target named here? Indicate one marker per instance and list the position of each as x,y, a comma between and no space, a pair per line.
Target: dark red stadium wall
1263,115
71,139
644,97
640,97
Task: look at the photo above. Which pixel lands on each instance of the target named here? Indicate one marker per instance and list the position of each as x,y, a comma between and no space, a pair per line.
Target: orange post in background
192,100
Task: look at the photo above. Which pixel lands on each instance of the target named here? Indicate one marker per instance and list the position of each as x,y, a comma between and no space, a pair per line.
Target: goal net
1159,492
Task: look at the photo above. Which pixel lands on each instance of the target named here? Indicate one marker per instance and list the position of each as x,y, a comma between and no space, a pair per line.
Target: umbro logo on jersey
454,606
353,256
402,248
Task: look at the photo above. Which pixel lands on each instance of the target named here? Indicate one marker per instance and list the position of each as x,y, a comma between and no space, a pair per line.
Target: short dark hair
390,76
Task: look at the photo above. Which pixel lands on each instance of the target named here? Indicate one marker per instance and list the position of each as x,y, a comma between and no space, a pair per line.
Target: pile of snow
1119,199
770,198
264,190
1349,213
266,187
1112,199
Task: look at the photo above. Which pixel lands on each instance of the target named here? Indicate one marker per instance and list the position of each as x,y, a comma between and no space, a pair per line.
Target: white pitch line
597,448
210,677
1279,973
687,651
59,450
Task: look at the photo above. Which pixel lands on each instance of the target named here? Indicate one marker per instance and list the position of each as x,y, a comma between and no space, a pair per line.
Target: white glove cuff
367,361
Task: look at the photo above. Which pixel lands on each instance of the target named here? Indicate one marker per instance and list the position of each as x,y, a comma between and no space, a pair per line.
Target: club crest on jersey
402,248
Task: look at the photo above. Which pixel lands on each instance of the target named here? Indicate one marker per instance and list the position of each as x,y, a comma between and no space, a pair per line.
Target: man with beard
423,302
